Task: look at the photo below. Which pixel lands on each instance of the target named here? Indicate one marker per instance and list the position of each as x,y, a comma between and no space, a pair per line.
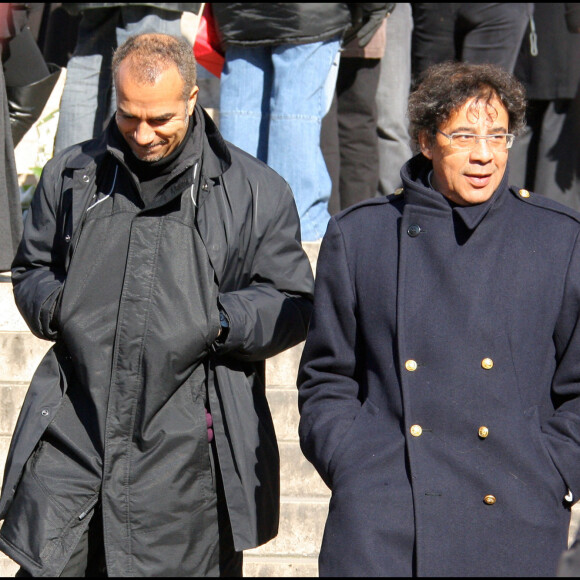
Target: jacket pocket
38,532
34,522
41,404
348,452
551,472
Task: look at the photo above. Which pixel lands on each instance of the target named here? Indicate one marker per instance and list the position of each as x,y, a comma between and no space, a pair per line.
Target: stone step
8,568
11,394
281,369
298,478
10,318
312,249
278,567
11,397
284,407
4,446
20,354
300,530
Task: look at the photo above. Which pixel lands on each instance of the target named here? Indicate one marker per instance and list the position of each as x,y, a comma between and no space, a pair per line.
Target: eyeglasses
468,141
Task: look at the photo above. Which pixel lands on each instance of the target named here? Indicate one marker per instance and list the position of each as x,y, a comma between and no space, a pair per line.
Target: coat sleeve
328,390
562,430
37,271
271,313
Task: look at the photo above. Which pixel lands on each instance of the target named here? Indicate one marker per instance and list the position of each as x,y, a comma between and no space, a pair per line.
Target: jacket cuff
231,336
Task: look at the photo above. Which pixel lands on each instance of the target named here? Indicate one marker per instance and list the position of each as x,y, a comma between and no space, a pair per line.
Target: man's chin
477,196
149,157
150,154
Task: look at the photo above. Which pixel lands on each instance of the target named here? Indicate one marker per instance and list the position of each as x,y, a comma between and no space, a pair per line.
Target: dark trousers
472,32
348,137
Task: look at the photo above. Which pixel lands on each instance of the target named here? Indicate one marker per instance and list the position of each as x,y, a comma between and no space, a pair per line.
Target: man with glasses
439,386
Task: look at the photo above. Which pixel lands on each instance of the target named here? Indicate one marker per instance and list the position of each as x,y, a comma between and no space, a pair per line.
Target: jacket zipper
89,507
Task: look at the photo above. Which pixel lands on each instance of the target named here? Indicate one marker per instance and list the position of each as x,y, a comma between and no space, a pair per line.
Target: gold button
416,430
524,193
487,363
411,365
489,499
398,191
483,432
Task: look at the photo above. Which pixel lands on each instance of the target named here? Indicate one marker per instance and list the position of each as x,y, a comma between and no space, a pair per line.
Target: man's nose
144,134
482,151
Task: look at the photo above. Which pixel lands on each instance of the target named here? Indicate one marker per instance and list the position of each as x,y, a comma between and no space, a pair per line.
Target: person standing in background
475,32
29,78
349,130
546,158
10,210
392,98
26,84
277,84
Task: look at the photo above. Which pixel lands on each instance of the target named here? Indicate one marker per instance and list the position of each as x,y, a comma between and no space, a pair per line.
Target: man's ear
425,144
192,100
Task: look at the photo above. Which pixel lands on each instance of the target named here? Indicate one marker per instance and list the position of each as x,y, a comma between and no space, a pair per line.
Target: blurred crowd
317,91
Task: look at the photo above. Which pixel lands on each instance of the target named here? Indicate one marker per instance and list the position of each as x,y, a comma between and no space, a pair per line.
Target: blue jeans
272,101
88,99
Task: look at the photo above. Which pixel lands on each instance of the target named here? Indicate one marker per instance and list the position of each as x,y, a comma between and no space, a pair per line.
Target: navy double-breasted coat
440,380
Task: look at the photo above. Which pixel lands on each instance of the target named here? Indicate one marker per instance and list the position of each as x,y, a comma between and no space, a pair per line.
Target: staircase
304,497
20,353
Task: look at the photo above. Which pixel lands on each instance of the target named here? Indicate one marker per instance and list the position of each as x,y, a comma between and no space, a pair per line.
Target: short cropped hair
150,54
446,87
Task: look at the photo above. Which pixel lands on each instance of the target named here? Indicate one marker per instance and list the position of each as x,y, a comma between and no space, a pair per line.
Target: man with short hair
89,96
439,386
166,265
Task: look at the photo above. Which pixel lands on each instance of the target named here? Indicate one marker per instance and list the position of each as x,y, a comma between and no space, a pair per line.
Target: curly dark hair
445,87
150,54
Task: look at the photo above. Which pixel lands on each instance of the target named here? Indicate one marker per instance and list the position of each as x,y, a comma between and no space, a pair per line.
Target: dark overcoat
554,72
439,387
10,208
115,410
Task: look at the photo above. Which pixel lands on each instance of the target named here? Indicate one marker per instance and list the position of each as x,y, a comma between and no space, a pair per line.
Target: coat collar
216,155
418,191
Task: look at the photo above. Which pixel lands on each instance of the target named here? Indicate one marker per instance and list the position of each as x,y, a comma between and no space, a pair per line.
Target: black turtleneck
153,177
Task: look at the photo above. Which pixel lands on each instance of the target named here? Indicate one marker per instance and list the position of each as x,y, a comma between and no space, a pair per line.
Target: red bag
207,47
